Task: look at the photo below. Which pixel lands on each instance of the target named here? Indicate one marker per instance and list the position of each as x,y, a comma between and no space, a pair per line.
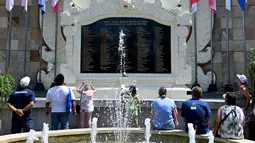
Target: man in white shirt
57,97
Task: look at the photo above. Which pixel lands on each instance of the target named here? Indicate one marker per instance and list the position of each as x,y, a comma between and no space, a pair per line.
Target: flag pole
212,87
212,80
25,50
56,44
228,58
41,43
195,48
244,43
9,42
228,87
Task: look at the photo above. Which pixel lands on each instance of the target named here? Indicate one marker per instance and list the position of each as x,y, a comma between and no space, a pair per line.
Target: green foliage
251,70
7,84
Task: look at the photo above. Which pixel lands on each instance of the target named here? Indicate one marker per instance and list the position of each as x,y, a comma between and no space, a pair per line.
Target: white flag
24,3
9,4
228,5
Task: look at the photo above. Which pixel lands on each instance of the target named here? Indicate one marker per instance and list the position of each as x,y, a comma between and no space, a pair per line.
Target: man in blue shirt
164,112
197,112
20,102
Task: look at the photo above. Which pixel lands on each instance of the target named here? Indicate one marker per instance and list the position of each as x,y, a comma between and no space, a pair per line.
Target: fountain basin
107,135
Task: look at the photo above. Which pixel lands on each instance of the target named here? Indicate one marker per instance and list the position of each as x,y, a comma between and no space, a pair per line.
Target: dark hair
59,80
132,88
231,98
162,92
197,92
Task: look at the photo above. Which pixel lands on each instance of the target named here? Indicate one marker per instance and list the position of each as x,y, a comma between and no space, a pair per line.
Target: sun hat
242,78
24,82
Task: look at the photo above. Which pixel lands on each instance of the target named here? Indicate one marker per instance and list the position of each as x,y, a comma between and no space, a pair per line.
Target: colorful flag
228,5
54,4
193,4
42,5
212,4
24,3
242,4
9,4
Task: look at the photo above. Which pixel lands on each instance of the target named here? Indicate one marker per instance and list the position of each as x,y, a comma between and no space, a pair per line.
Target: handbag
78,106
69,102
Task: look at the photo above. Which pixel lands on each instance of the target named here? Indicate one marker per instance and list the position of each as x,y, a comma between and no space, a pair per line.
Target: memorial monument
156,45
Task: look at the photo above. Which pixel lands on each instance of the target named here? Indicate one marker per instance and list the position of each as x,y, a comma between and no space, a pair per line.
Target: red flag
54,4
212,4
193,4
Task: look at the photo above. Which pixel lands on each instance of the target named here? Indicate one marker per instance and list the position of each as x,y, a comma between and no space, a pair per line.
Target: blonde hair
197,92
86,87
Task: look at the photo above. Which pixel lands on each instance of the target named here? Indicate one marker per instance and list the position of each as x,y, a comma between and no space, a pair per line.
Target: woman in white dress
87,105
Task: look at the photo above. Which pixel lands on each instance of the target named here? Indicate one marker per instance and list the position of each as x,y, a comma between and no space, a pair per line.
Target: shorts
87,108
167,126
133,113
19,124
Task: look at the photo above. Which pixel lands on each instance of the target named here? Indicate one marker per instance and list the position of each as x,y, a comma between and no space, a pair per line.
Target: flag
24,3
42,5
228,5
242,4
193,4
212,4
9,4
54,4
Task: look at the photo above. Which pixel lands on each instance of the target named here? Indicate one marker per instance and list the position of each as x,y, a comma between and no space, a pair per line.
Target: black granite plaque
148,47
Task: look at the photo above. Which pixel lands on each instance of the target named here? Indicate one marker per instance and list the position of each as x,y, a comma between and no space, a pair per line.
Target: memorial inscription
148,47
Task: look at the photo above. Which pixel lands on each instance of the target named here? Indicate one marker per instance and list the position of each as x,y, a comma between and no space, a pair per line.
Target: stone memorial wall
220,57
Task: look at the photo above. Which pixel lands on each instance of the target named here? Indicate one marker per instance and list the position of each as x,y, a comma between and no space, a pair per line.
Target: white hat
24,82
242,78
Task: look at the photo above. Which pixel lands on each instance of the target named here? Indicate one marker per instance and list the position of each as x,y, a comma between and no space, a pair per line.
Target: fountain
211,137
192,133
93,130
45,133
147,130
31,137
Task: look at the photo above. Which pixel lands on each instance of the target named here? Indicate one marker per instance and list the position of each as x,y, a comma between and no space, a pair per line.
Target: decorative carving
70,78
127,4
203,38
184,76
47,78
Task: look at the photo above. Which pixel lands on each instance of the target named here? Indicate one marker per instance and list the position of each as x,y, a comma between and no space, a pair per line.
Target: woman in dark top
243,99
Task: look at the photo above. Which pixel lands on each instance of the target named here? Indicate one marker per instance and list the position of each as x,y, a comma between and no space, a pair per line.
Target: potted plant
7,84
251,70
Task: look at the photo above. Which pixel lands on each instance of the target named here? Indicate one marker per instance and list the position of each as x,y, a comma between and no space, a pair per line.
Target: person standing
21,102
229,119
134,107
57,97
87,105
243,99
197,112
164,112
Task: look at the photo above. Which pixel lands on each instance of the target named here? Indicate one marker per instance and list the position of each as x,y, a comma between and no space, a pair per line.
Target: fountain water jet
45,133
211,137
192,133
31,137
147,130
93,130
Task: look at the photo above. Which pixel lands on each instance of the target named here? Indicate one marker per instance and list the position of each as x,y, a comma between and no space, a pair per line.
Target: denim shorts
167,126
62,118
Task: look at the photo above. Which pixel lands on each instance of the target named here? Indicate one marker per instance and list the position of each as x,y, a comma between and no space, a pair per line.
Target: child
87,105
134,105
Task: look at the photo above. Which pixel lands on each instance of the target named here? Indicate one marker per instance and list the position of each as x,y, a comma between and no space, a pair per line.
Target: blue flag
242,4
69,102
42,6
